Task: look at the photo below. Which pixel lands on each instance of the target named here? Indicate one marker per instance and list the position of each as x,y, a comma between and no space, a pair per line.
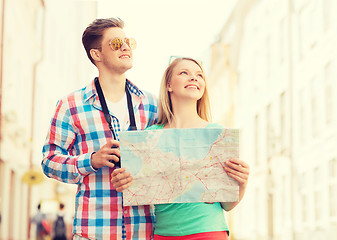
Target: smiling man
82,143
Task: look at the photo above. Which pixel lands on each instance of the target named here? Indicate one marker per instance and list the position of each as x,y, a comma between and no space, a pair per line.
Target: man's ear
95,54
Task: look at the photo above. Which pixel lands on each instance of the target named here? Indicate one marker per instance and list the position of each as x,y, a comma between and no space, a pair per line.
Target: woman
184,103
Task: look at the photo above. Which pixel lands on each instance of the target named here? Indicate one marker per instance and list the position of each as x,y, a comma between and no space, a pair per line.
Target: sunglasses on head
117,43
172,58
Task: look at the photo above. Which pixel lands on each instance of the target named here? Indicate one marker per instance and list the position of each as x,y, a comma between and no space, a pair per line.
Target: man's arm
57,163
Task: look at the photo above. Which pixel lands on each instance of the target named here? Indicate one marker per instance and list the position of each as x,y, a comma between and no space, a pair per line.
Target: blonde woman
184,103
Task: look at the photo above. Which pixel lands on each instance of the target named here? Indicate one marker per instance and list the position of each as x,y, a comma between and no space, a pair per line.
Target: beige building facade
273,75
39,65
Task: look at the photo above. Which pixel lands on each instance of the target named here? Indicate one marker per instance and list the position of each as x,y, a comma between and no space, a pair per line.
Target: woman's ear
95,54
169,89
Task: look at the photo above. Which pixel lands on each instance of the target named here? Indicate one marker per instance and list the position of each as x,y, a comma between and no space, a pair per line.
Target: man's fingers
112,151
113,158
117,171
111,143
122,182
110,164
120,179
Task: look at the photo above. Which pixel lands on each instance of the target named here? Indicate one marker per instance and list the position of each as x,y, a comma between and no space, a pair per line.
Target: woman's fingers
237,169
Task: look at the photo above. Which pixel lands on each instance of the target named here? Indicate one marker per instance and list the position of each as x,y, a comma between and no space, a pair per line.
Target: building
273,75
35,46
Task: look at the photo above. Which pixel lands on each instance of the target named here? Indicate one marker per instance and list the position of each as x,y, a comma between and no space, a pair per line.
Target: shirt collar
90,90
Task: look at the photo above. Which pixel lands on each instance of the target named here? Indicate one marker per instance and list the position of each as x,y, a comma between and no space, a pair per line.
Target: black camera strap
107,114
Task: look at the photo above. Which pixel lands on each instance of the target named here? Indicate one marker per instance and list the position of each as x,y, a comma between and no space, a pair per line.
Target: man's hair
165,112
92,35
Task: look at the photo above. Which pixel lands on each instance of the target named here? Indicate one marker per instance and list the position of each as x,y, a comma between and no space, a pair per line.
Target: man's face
119,60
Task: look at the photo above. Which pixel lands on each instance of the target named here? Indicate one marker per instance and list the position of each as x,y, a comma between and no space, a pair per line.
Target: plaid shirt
78,129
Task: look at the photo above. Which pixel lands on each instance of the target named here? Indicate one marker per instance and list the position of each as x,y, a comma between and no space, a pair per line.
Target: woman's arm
239,170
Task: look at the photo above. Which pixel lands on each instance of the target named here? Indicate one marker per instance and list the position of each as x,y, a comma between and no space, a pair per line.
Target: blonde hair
165,112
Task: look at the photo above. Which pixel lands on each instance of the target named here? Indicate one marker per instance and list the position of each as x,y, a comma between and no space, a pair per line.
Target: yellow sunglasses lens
117,43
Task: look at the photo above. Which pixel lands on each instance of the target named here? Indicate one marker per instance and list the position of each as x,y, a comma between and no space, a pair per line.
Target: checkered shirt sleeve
78,129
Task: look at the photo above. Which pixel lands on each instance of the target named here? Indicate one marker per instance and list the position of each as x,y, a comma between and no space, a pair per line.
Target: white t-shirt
120,111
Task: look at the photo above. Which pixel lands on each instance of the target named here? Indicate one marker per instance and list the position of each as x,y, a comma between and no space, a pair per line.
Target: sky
164,28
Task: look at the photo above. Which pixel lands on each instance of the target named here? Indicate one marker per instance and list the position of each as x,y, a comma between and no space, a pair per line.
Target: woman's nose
193,78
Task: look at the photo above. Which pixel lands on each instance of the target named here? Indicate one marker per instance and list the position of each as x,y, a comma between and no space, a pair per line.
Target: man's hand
102,157
120,179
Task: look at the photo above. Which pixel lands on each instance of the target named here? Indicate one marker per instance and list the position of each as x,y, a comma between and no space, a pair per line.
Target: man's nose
125,46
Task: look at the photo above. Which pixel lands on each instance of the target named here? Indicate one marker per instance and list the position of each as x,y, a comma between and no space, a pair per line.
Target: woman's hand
237,169
120,179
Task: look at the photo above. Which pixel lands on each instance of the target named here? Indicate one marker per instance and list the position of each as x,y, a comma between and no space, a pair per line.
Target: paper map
179,165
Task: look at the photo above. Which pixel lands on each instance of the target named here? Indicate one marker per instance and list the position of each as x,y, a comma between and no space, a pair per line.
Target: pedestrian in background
82,142
60,229
42,225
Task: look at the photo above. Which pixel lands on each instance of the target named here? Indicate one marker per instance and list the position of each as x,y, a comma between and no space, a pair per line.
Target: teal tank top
180,219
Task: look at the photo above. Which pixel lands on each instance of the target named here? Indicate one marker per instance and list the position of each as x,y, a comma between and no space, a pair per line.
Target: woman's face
187,81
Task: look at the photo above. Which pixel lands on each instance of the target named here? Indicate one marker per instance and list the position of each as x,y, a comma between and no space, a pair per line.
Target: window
317,194
305,207
270,137
282,37
304,198
258,208
257,139
304,31
327,14
314,107
302,117
333,189
333,168
268,58
333,200
11,204
283,121
330,75
300,35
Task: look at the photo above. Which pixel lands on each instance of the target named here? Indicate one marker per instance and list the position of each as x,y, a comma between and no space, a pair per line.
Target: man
80,148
